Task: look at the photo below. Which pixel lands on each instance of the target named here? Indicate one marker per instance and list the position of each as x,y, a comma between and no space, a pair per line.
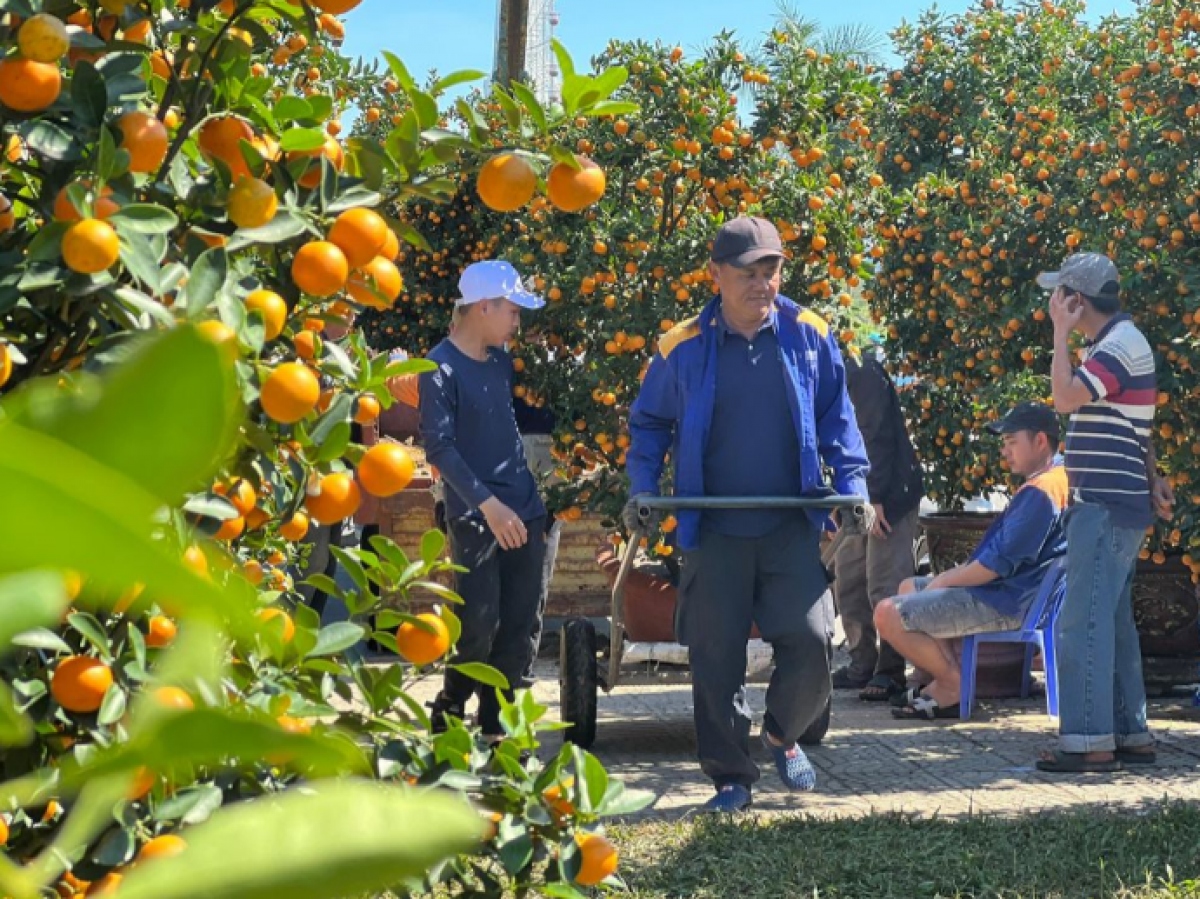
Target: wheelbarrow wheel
577,681
817,730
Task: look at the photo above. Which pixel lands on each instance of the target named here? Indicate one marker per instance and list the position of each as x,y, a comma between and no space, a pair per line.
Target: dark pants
727,585
501,610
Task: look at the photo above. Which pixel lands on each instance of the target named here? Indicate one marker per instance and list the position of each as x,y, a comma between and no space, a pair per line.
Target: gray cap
1092,274
1028,416
745,240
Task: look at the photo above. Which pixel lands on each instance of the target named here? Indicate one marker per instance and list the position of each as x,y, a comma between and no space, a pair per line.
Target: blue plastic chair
1036,631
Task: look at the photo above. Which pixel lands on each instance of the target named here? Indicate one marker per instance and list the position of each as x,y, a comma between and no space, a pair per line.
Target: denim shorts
950,612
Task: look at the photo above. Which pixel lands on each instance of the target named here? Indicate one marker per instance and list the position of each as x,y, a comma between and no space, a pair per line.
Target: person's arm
652,421
1068,390
438,416
1162,496
969,574
1020,534
838,438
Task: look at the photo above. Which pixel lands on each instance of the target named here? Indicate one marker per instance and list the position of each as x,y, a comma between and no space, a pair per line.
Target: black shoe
441,710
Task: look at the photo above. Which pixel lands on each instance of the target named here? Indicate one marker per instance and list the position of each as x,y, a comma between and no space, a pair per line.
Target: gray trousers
727,585
868,571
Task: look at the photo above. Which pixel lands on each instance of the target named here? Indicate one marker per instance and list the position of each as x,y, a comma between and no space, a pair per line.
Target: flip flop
1132,757
880,688
907,697
1075,763
926,708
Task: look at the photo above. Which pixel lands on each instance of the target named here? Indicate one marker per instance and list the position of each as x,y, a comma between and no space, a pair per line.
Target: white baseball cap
494,279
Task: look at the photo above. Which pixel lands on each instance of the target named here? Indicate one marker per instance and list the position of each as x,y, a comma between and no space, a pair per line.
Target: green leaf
211,505
338,412
138,255
609,81
612,107
191,806
526,96
16,728
322,106
288,109
595,779
337,637
142,304
512,112
393,834
92,631
30,599
433,544
335,444
565,64
209,275
284,226
163,419
51,141
302,139
41,638
400,71
454,79
209,736
88,94
145,218
483,673
426,108
113,707
355,196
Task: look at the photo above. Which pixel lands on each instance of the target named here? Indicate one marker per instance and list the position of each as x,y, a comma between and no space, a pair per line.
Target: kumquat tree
620,247
1009,138
183,237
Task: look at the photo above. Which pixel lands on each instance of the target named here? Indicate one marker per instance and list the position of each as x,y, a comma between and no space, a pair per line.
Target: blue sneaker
793,765
730,799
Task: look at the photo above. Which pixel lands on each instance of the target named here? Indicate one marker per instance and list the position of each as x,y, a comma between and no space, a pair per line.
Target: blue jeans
1103,698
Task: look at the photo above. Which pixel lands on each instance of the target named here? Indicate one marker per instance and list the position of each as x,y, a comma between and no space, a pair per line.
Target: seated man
993,589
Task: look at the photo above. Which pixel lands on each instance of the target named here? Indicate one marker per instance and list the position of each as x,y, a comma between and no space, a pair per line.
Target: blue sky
458,34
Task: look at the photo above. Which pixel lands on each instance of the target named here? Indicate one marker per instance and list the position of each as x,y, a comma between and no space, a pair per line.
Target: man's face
1024,451
503,320
748,291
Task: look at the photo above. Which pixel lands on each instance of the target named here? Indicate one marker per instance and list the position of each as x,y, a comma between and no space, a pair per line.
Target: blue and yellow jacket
673,411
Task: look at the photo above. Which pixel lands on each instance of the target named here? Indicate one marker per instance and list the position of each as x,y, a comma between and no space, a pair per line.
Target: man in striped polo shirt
1116,493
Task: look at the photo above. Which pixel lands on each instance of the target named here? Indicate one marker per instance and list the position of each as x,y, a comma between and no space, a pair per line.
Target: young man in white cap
495,517
1115,493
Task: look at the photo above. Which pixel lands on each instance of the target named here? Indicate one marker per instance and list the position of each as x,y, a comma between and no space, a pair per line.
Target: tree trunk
511,39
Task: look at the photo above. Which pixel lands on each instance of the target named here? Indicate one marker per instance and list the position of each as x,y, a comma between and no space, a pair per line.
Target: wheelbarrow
583,671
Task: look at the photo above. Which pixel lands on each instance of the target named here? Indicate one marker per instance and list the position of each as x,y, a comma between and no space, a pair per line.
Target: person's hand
881,528
866,526
1064,313
1162,497
630,518
506,524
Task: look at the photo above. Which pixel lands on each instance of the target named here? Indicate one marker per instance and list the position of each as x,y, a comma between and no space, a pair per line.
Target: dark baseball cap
1028,416
745,240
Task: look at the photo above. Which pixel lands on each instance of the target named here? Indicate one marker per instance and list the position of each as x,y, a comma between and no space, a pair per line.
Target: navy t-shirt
1023,541
470,432
752,445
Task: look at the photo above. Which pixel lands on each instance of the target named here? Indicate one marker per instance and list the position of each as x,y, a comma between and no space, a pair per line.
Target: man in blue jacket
749,398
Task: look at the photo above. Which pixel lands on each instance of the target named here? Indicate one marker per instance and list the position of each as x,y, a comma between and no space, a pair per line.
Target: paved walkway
869,762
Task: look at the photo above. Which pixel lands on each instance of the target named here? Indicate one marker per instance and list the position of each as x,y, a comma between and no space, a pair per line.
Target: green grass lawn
1153,855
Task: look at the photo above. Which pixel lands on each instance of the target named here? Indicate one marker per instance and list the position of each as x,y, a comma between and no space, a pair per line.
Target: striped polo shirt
1108,438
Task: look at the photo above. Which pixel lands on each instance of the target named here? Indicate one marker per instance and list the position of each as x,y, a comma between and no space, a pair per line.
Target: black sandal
926,708
907,697
880,688
1059,762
